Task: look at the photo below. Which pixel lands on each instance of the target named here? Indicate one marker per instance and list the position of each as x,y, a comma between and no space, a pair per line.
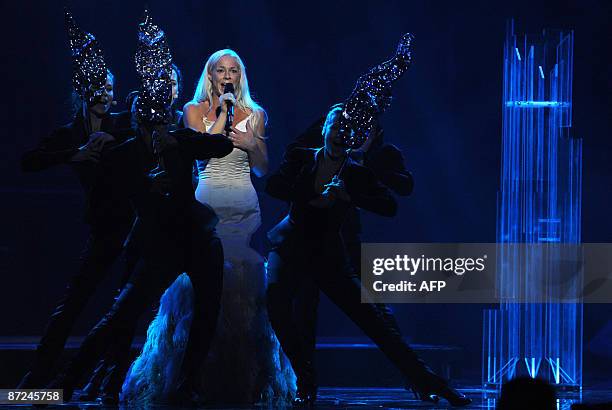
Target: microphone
229,88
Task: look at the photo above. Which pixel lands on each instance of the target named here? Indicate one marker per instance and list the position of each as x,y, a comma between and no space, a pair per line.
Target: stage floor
387,398
343,365
379,398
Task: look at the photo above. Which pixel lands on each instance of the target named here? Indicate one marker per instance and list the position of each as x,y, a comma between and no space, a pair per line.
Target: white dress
245,364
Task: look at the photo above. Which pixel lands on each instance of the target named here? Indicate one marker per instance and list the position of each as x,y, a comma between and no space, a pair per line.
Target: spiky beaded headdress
372,95
154,67
89,69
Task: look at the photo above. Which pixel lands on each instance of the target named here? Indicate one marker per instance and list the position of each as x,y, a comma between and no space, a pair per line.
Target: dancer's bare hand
84,154
91,150
98,139
336,190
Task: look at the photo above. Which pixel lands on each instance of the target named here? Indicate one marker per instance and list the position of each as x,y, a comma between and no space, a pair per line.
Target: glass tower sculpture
538,203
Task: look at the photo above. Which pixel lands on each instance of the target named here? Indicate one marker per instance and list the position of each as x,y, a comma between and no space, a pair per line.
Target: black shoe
60,382
435,387
27,382
109,399
454,397
184,396
305,398
88,395
32,380
306,394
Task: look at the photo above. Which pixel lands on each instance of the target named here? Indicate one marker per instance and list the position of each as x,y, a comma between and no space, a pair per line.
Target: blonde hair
244,101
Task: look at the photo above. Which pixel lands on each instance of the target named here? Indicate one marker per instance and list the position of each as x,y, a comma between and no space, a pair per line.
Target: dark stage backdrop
302,57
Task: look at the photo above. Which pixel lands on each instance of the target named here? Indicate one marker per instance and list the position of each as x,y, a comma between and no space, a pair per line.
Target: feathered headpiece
88,66
154,67
372,95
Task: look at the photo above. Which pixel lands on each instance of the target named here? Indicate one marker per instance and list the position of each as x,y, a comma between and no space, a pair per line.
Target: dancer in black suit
387,163
172,229
105,382
309,251
110,218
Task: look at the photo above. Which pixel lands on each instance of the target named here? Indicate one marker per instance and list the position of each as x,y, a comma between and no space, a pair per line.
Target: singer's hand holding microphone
242,140
225,100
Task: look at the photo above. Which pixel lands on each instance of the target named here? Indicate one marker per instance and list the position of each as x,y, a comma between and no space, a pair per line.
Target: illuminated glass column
539,202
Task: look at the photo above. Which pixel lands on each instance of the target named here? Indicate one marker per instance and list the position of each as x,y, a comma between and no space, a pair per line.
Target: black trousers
104,246
107,378
298,269
164,258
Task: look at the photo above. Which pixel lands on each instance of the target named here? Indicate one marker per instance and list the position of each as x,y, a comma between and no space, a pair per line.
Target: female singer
245,365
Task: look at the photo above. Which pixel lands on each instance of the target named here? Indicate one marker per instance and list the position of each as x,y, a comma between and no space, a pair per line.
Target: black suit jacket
129,165
386,160
294,182
103,208
166,223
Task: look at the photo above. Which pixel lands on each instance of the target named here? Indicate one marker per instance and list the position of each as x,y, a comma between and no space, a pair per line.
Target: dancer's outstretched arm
57,148
286,183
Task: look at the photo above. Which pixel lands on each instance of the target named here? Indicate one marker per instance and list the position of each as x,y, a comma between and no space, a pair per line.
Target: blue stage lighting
539,201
